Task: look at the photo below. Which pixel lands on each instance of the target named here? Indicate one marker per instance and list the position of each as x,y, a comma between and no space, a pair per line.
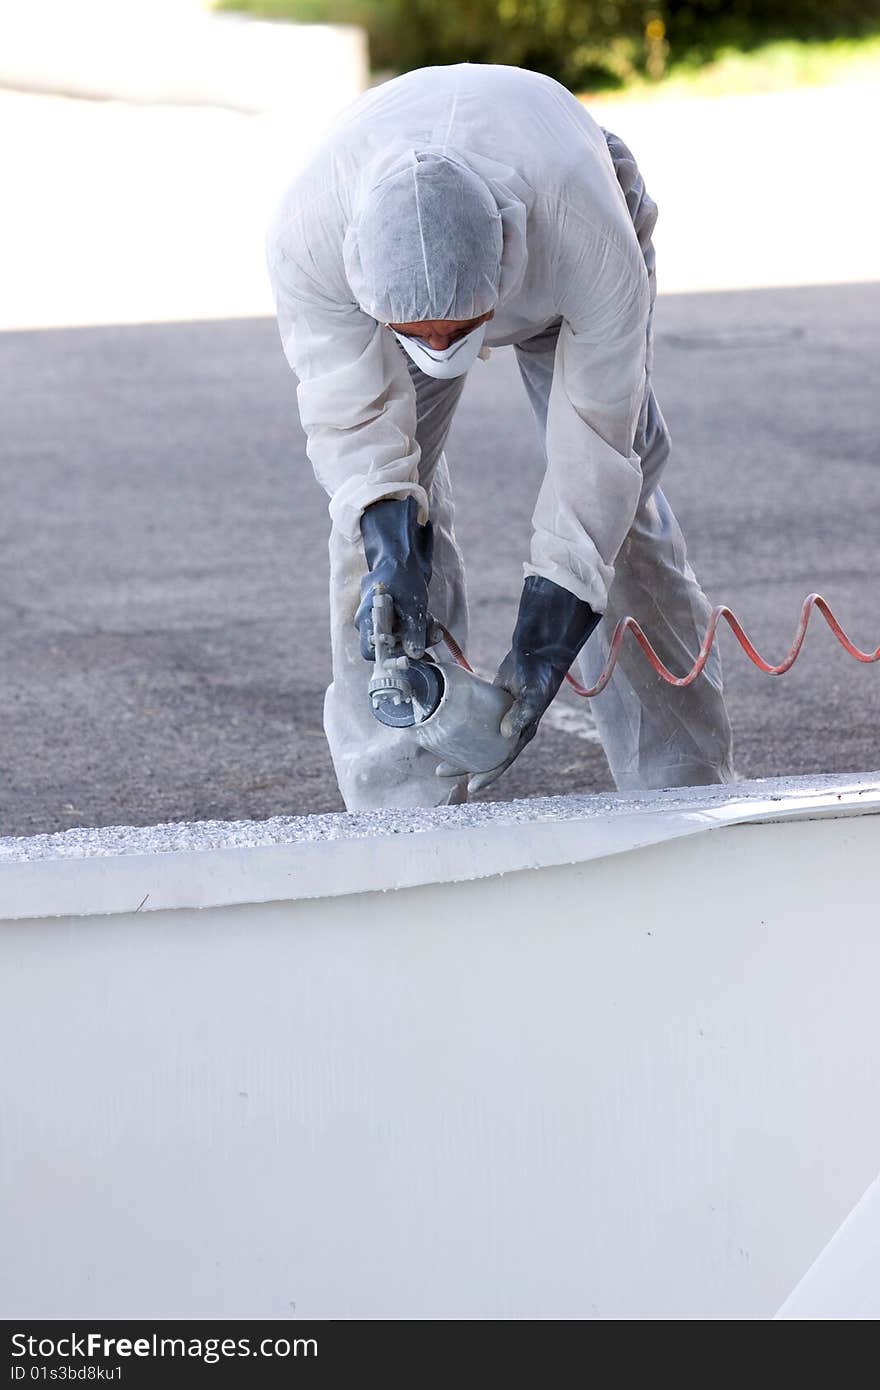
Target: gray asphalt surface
163,611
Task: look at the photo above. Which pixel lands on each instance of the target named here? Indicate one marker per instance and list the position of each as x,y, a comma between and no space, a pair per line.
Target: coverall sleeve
591,487
356,400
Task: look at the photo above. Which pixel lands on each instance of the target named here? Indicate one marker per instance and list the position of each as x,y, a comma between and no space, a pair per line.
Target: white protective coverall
575,299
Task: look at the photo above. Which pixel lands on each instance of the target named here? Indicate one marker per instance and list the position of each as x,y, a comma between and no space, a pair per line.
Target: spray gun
458,716
451,711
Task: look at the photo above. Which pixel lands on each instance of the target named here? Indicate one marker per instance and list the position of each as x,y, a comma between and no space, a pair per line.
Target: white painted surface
218,864
636,1085
844,1282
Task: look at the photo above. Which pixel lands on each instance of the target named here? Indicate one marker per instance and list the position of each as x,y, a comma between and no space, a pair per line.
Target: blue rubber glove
551,627
399,553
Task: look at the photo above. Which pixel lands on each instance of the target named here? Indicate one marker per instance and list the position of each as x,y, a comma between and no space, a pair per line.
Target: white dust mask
448,362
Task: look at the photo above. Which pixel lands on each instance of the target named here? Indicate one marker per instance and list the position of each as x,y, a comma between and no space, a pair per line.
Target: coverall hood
434,239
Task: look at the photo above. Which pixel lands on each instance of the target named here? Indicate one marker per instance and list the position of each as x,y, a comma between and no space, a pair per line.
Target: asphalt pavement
163,608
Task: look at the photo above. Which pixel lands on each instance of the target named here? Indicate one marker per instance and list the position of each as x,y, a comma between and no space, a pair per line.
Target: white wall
178,51
643,1085
167,183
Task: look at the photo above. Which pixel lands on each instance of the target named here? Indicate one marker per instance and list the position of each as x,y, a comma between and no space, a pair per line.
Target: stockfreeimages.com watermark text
95,1346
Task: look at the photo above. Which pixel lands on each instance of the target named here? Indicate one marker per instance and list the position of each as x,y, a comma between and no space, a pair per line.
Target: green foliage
778,65
583,43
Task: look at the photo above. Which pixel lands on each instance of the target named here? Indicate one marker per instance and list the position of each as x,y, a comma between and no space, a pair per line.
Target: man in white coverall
452,210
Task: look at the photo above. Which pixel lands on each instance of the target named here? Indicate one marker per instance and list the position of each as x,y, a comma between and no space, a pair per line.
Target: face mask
452,361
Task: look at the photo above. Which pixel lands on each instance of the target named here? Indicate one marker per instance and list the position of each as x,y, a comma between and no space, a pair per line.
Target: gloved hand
551,627
399,553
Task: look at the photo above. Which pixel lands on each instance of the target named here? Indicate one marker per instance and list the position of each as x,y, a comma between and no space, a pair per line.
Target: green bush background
583,43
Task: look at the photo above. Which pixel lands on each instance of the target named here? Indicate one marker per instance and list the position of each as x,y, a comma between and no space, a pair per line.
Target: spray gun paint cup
465,728
451,712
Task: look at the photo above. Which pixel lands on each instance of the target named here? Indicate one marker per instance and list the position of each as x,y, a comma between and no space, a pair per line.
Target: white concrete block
844,1282
609,1058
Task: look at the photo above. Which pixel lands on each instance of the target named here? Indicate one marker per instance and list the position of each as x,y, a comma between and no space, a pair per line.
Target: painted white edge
843,1283
97,872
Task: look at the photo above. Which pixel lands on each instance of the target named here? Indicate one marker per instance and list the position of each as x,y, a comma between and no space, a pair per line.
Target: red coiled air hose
810,602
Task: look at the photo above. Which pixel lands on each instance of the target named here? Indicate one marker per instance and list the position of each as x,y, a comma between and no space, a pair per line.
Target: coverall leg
654,735
376,766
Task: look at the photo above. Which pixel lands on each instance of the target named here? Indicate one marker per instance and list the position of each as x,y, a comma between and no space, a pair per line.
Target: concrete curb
82,873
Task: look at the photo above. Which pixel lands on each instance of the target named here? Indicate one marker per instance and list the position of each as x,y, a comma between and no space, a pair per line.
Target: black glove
399,553
551,628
